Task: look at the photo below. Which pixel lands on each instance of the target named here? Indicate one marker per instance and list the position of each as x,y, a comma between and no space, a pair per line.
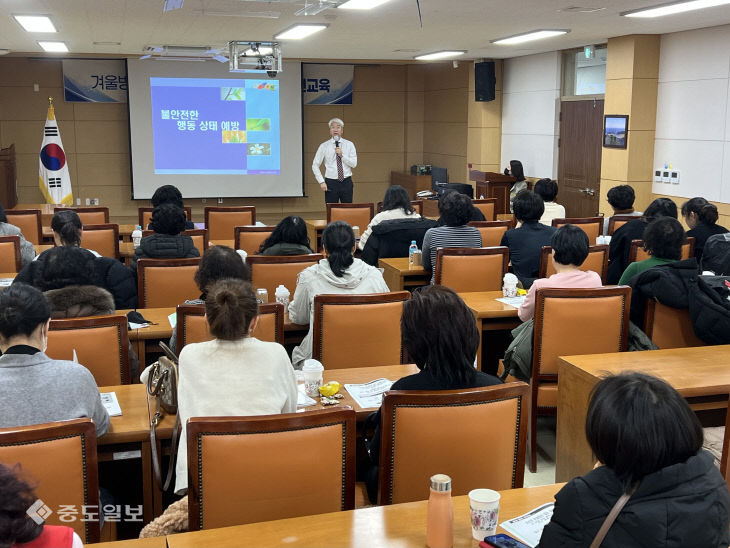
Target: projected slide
215,126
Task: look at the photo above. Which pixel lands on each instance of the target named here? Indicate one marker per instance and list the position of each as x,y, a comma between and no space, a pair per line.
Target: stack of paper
109,399
529,526
369,394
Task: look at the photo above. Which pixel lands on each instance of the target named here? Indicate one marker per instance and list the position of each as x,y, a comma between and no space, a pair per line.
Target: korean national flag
53,176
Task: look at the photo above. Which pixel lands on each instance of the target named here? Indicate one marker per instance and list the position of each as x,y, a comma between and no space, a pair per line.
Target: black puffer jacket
668,284
164,246
393,238
709,309
620,246
681,506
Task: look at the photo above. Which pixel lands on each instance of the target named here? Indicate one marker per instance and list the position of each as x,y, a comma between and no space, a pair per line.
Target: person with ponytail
701,218
339,272
68,229
515,170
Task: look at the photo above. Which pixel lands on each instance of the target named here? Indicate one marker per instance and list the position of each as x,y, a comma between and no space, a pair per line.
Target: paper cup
312,370
484,512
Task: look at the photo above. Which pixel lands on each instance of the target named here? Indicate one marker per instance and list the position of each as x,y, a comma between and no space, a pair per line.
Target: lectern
8,175
493,185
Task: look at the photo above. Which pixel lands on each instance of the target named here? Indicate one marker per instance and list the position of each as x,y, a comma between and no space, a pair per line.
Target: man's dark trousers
338,191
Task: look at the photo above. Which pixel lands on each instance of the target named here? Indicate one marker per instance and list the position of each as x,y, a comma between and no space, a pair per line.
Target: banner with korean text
327,84
95,80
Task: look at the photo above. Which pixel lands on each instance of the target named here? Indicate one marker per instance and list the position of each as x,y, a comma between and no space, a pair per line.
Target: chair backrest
250,238
617,221
669,327
592,226
145,215
10,259
268,272
358,330
101,344
417,206
638,253
571,322
198,235
221,221
104,239
425,431
192,325
725,459
88,215
491,231
488,207
597,261
166,282
29,223
471,269
59,460
242,470
358,215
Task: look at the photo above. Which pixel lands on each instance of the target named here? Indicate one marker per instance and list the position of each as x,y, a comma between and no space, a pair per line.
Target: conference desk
700,374
314,231
125,232
6,278
399,276
395,525
490,314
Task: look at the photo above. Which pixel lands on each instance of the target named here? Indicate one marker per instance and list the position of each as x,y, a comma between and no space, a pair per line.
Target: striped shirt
447,236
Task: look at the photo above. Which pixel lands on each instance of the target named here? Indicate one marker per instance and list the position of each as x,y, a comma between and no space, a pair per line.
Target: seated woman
515,170
168,221
170,194
649,447
621,199
620,246
396,205
33,387
27,251
701,218
19,529
455,210
527,240
444,351
288,238
340,273
547,189
570,250
663,240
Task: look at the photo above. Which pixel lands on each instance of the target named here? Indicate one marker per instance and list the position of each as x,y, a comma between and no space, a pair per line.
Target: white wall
530,108
692,124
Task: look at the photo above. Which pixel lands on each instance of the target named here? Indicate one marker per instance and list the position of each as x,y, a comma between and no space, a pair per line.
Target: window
583,76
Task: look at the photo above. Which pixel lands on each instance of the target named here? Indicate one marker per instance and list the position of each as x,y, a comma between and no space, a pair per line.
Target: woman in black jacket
701,218
167,242
649,444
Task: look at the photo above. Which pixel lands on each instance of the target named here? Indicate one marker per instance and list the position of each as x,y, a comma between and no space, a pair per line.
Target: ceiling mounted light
361,4
446,54
54,47
35,23
529,36
674,7
297,32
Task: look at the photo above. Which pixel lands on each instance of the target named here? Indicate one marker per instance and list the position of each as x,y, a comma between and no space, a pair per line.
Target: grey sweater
35,389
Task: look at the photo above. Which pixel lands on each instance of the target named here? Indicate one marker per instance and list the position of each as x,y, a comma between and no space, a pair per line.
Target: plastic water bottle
411,251
282,295
137,236
481,197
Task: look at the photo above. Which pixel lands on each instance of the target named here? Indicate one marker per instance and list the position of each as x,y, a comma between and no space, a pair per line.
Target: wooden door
579,169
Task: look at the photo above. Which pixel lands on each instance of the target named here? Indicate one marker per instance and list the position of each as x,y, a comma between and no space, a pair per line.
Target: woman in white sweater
396,205
234,374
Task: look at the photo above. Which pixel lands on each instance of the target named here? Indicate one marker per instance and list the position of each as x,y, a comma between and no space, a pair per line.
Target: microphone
337,143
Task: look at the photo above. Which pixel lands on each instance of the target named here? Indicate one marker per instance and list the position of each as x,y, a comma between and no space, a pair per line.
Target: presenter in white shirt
340,158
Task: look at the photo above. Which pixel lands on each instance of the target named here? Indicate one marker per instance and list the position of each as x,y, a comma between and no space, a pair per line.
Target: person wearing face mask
340,158
34,388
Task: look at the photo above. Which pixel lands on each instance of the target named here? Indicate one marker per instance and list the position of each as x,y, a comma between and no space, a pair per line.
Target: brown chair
617,221
88,215
592,226
10,259
29,223
268,272
638,253
491,231
597,261
104,239
570,322
250,238
471,268
166,282
145,215
58,459
221,221
417,206
669,327
358,330
198,235
488,207
192,325
250,469
358,215
475,436
101,344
